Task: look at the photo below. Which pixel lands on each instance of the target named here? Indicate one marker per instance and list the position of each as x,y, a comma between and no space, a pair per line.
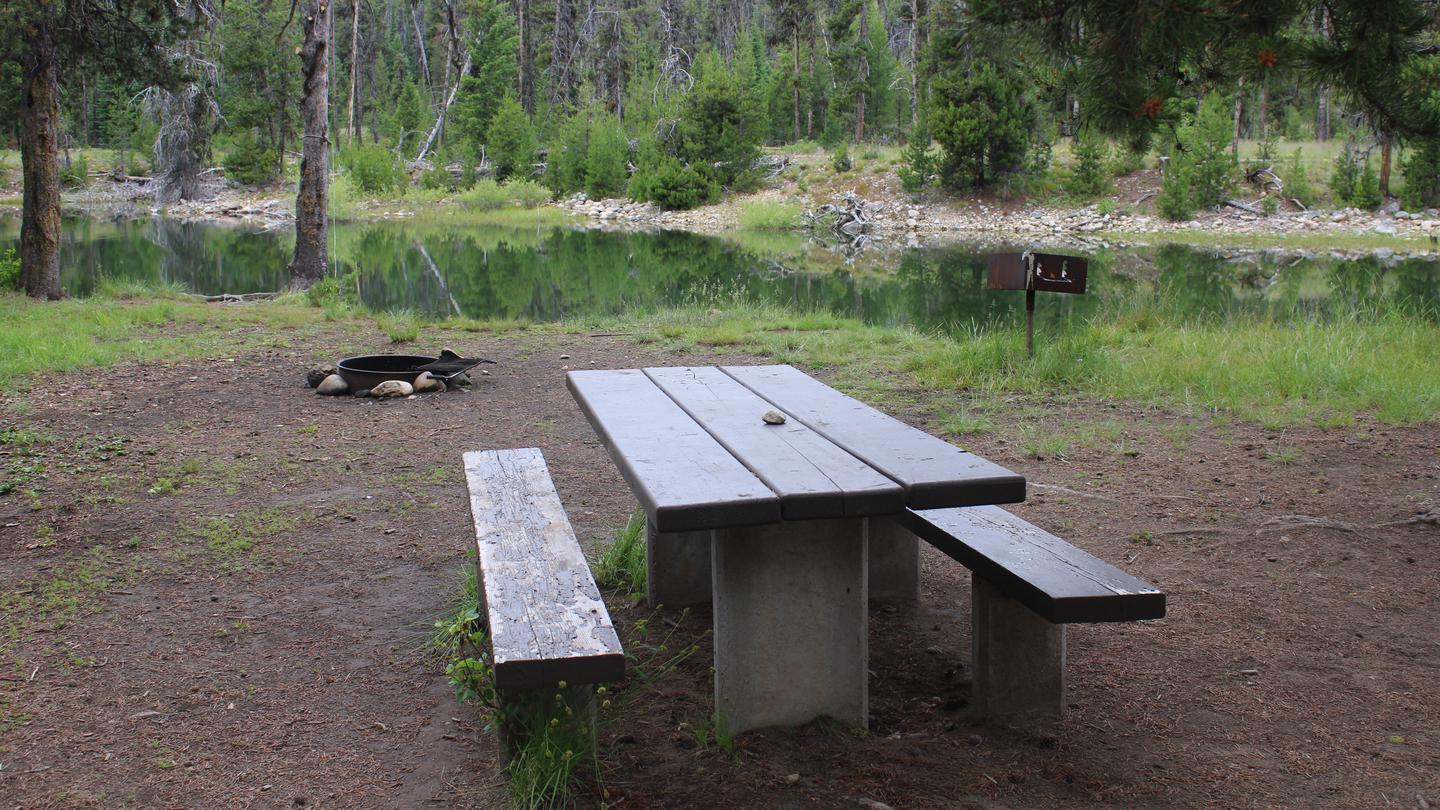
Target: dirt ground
218,594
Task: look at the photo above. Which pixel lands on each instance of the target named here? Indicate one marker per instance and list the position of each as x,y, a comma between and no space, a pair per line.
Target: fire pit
367,371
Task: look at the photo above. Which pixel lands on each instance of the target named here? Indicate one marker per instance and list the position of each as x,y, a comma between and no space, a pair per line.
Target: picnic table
788,529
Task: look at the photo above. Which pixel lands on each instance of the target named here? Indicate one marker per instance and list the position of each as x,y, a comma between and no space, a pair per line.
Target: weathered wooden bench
547,623
1026,585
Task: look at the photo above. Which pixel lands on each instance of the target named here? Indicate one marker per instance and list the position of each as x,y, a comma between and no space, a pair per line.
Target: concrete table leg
1019,657
790,624
677,567
894,562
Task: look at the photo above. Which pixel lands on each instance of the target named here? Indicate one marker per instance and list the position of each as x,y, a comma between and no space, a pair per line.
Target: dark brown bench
546,621
1026,585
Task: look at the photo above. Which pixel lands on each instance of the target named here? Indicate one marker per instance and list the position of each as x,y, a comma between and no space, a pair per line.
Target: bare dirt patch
251,632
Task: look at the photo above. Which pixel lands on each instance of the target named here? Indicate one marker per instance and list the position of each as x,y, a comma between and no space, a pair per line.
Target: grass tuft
621,565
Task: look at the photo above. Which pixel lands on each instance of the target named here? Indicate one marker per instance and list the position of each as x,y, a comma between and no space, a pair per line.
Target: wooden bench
1026,585
547,623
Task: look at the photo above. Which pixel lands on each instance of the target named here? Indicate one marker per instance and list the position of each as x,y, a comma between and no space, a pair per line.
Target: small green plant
1422,175
1285,455
1270,205
768,215
9,270
674,186
251,163
841,162
510,140
1367,189
920,162
164,486
964,424
1175,201
1089,176
1345,173
1106,207
1038,443
621,564
437,177
548,734
76,173
373,169
401,326
1297,181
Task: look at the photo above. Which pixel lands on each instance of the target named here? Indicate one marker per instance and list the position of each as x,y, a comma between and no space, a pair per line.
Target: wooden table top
693,446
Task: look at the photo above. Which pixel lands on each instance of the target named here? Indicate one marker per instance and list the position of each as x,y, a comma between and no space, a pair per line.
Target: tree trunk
810,80
40,167
863,73
795,77
1239,111
1386,144
420,42
354,71
311,255
914,63
1322,115
522,18
1264,107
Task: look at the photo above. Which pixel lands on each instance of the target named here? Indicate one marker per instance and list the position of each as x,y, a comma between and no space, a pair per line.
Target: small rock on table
773,418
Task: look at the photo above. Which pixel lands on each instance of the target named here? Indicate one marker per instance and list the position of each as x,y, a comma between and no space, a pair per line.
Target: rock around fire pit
393,375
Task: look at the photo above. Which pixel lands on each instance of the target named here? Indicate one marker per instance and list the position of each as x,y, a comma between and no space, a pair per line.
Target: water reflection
545,274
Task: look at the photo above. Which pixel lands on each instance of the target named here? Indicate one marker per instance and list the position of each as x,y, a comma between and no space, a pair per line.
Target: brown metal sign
1007,271
1062,274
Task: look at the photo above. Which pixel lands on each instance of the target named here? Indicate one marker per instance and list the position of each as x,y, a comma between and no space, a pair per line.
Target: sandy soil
251,634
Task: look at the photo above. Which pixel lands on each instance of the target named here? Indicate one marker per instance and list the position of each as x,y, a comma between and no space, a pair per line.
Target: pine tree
510,140
605,159
493,74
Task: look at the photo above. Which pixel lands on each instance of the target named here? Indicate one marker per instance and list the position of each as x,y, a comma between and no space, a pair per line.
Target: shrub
919,160
605,171
1208,145
565,167
1367,189
1176,202
1088,176
1126,160
1344,174
841,162
767,215
1297,181
249,162
77,174
718,127
1422,176
437,177
984,122
510,140
9,271
488,195
1201,170
372,168
673,186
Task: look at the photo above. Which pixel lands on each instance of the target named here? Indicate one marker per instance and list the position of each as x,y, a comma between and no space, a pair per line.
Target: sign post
1048,272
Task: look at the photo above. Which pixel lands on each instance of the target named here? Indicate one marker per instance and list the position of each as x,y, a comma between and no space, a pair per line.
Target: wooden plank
547,621
1048,575
682,477
813,477
934,473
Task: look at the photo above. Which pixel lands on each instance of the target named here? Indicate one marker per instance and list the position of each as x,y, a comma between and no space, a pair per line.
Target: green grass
769,215
520,202
137,323
1275,374
402,326
621,564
